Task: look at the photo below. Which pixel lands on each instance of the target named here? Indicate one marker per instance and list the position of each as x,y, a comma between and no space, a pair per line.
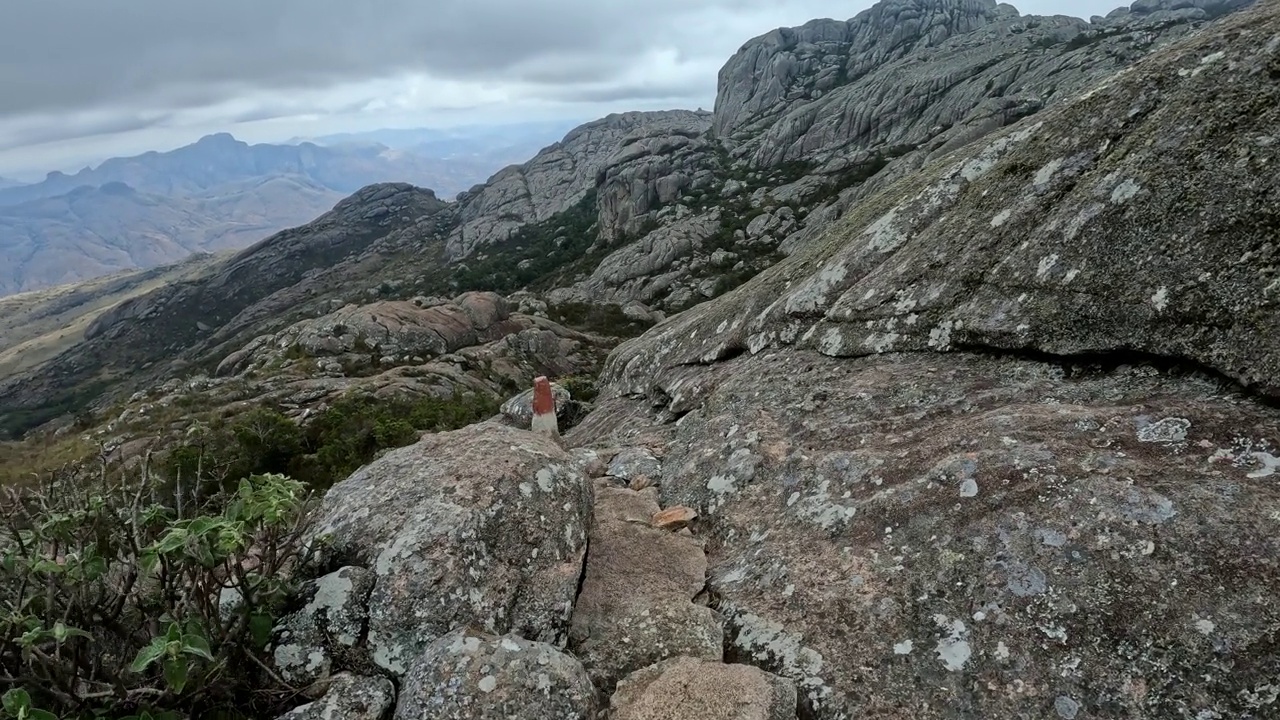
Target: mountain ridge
657,208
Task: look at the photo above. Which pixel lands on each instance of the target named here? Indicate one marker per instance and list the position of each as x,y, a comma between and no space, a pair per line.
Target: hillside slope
218,193
94,231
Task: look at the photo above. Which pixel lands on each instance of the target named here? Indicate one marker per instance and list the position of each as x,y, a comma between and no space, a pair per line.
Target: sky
83,80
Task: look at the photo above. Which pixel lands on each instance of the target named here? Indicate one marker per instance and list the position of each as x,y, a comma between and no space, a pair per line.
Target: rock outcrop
1002,442
559,176
698,690
349,698
810,121
485,526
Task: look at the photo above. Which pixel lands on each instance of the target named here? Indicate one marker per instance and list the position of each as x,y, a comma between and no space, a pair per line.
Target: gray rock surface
559,176
469,675
349,697
977,449
331,622
399,329
486,525
691,689
887,531
635,607
633,461
1083,230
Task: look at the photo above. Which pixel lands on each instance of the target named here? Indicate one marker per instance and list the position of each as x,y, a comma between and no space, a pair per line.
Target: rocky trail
600,610
559,588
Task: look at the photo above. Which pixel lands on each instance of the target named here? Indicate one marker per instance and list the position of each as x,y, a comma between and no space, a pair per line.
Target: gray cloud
80,127
79,68
64,54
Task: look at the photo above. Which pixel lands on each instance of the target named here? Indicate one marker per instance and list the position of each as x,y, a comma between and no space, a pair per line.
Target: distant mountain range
8,182
221,193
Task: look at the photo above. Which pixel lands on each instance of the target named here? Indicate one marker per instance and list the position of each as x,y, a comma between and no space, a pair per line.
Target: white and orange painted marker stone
544,409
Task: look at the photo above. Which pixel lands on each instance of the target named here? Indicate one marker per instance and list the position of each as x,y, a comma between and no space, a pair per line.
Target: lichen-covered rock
486,525
349,697
468,675
692,689
330,625
970,536
399,329
635,607
633,461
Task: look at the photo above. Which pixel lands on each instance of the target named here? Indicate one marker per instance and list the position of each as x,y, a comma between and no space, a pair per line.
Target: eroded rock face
486,525
692,689
1135,217
938,465
399,329
968,535
563,173
907,74
349,698
635,607
468,675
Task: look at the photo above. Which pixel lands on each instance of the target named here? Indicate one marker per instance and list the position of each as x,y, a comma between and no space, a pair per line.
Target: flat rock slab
486,525
969,536
469,675
636,607
690,689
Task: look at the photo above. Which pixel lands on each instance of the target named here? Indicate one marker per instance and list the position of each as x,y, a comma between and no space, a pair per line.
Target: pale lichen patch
1046,173
953,647
1046,265
1125,191
1160,299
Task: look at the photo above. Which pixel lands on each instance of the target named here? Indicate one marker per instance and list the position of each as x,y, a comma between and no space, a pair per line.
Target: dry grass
23,462
39,325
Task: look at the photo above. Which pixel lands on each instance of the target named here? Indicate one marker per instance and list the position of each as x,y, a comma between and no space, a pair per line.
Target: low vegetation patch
129,598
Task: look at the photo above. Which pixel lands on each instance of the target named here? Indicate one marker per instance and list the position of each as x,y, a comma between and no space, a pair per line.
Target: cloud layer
88,68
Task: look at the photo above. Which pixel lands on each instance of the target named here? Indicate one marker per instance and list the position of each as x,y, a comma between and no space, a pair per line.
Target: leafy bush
117,599
336,441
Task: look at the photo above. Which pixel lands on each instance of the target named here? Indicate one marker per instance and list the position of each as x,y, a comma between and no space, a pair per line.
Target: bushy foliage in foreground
121,599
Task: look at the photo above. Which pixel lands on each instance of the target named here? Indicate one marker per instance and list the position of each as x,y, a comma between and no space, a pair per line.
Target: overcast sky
81,80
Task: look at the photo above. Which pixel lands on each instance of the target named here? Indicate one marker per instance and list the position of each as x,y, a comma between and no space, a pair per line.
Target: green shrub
580,387
118,599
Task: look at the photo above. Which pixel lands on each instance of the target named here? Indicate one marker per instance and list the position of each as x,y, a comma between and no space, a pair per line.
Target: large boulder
988,536
636,605
469,675
486,525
